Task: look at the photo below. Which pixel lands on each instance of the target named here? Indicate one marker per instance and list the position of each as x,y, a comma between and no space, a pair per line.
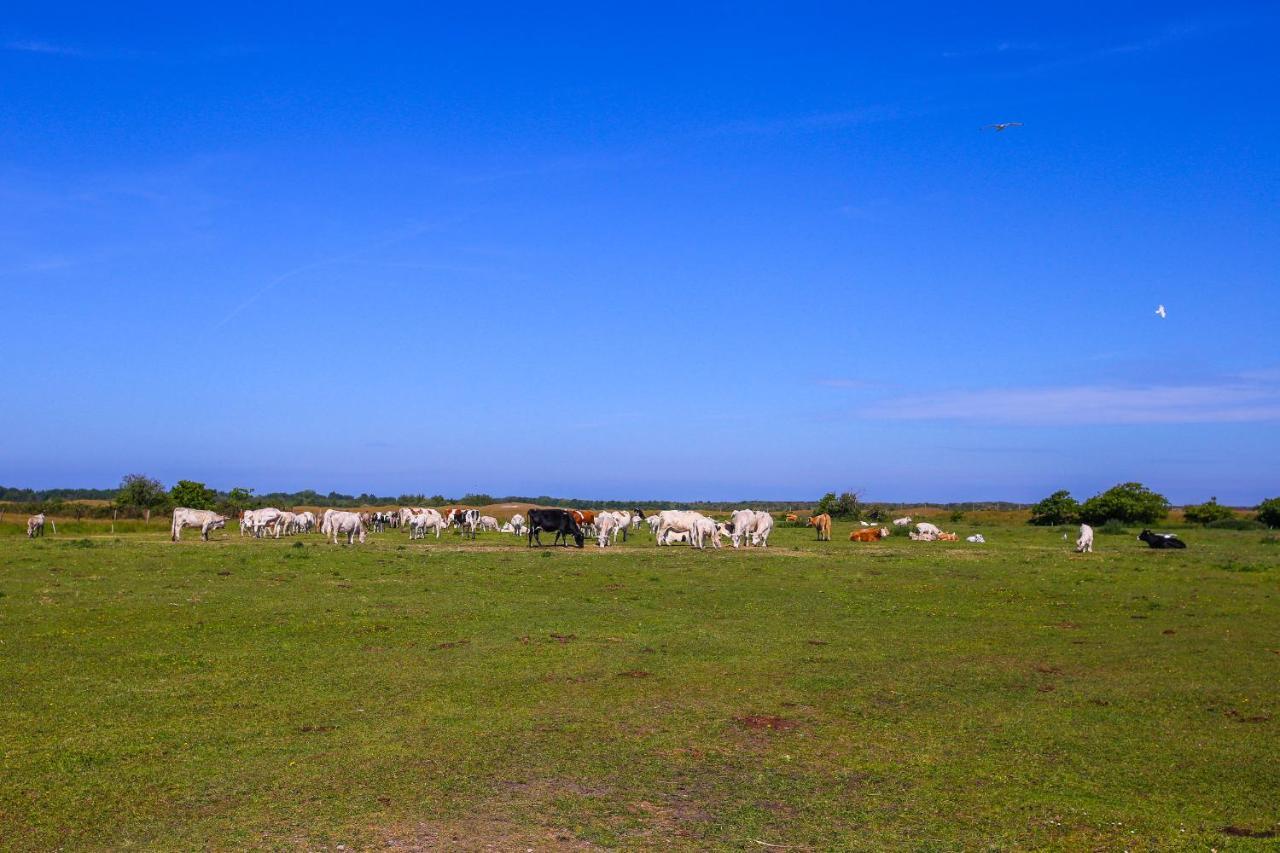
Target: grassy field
399,695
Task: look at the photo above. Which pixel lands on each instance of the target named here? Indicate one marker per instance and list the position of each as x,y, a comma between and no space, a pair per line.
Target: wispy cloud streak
38,46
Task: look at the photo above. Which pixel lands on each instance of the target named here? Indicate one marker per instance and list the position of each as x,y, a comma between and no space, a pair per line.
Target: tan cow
823,524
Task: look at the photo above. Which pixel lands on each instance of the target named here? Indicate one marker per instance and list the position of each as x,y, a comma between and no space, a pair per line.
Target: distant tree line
1134,503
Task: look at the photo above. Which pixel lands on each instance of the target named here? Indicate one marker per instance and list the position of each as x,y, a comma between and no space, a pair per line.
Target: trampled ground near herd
400,695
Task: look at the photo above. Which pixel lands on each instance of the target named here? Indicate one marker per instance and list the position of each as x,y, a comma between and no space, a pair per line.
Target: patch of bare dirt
452,645
634,673
316,729
1246,832
766,721
817,642
1233,714
564,638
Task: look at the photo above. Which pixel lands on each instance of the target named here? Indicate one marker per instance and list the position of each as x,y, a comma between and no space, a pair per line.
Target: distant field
937,696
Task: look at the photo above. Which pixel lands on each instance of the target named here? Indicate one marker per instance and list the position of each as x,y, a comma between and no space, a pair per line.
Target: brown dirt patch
564,638
1246,832
817,642
316,729
634,673
1066,626
766,721
1045,688
452,645
1168,632
1049,670
1233,714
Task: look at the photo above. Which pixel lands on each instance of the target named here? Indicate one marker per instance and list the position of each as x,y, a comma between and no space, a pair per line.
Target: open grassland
824,695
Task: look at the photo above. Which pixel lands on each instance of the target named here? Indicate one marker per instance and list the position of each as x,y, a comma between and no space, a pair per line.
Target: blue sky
683,251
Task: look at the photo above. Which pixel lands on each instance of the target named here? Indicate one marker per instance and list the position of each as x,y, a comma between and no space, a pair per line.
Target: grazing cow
35,526
289,522
637,518
423,520
654,521
703,529
586,520
764,526
742,525
679,520
202,518
557,521
868,534
348,523
1084,545
306,521
902,522
262,519
823,524
607,525
517,522
1161,540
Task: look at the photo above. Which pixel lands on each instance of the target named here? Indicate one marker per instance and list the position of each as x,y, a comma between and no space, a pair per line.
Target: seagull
1160,312
1002,126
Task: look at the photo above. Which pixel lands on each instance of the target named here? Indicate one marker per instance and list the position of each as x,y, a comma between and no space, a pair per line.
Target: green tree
1131,503
237,501
138,491
1269,512
1058,508
844,506
191,494
1208,512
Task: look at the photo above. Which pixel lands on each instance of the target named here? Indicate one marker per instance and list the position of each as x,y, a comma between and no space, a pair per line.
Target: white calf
703,529
35,526
902,522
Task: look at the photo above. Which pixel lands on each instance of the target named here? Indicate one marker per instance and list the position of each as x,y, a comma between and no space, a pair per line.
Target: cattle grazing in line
1084,545
35,526
348,523
205,519
306,521
262,520
1161,540
557,521
868,534
822,523
902,522
288,522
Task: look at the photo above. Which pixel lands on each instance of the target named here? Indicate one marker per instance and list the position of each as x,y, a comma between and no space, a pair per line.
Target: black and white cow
557,521
1161,540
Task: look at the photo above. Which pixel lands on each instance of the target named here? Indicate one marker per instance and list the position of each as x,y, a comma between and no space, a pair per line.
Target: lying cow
1161,540
902,522
948,537
205,519
557,521
1084,545
868,534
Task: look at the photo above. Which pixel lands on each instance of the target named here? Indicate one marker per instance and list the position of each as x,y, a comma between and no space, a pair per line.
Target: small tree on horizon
1207,512
138,491
194,495
1130,503
1269,512
1058,508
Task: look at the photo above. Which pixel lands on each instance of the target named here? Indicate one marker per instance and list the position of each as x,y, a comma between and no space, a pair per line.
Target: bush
1113,527
957,515
1058,508
1129,503
845,506
1269,512
1236,524
1208,512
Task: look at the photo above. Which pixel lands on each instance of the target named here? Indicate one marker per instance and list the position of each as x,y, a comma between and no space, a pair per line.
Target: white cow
35,526
508,528
902,522
421,520
606,528
347,523
674,537
488,522
764,526
1084,545
262,519
678,520
205,519
924,528
742,525
655,521
288,522
977,539
703,529
517,523
306,521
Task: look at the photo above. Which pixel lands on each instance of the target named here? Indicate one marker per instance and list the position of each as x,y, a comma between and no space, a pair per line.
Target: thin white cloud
37,46
1236,402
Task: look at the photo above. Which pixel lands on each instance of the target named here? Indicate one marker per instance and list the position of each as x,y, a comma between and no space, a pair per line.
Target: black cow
557,521
1161,540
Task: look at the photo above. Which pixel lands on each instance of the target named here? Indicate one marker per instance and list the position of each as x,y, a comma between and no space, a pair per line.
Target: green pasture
901,695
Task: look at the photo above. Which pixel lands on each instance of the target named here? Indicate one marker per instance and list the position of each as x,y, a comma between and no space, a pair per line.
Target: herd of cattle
745,526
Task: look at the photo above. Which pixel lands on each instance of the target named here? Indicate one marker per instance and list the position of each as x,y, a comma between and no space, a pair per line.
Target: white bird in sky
1002,126
1160,312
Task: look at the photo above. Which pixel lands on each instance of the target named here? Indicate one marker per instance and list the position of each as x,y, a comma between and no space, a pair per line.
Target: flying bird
1002,126
1160,312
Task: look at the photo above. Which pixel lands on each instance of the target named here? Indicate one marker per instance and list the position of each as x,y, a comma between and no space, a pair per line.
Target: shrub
1208,512
1236,524
1269,512
845,506
1113,527
1058,508
957,515
1130,503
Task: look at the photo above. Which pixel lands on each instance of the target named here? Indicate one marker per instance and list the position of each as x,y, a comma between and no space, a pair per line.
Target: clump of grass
1238,566
299,544
78,543
1113,527
1273,539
